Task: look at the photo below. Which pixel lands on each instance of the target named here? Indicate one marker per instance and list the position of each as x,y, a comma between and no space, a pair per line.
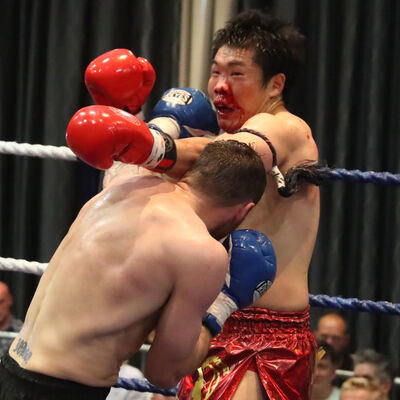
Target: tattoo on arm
22,349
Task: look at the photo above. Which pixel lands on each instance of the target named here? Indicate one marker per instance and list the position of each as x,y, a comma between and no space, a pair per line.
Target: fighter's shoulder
296,126
121,172
281,123
300,136
288,133
201,251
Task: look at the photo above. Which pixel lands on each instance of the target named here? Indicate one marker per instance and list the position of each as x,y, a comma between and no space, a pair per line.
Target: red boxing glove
118,79
100,134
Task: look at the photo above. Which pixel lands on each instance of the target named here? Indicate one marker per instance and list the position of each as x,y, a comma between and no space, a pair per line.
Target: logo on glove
178,97
261,288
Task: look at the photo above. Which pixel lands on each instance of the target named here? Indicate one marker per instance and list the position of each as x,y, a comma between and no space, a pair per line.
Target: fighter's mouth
223,108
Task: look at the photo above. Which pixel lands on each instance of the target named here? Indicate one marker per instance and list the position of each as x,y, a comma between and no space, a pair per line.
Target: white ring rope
37,150
18,265
32,150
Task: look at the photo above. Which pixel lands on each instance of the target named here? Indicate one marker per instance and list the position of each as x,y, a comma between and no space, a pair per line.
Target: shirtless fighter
138,257
266,350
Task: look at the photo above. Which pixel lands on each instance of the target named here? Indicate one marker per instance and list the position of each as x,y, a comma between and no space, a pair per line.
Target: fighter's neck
211,215
274,105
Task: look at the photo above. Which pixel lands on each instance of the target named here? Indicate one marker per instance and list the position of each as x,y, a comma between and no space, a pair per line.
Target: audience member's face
332,330
357,394
368,370
324,374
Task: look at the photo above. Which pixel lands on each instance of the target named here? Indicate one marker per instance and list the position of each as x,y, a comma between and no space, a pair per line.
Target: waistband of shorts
264,320
37,378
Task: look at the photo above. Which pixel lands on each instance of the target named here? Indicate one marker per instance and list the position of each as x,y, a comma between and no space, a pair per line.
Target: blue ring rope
143,385
383,307
355,175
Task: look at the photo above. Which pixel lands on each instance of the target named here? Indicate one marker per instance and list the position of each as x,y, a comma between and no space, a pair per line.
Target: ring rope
320,300
356,175
64,153
143,385
384,307
18,265
37,150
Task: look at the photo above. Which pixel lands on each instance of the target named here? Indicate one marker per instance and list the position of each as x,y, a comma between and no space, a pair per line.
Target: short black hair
279,46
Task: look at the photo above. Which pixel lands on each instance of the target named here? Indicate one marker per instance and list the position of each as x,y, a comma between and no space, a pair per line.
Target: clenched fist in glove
118,79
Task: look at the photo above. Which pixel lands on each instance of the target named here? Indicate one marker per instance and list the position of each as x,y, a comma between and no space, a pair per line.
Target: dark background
349,95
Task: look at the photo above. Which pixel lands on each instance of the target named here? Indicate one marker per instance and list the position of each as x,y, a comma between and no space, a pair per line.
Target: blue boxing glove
251,273
185,112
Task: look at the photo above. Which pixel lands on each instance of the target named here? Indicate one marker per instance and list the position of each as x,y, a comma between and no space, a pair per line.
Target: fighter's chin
224,229
227,125
230,122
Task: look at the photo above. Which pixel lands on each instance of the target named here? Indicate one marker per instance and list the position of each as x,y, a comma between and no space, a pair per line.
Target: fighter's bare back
104,288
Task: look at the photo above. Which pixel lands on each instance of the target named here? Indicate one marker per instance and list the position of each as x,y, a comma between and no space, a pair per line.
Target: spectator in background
332,329
322,387
8,322
376,368
359,388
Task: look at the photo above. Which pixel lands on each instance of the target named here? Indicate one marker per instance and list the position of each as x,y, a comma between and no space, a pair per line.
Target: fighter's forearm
187,152
166,370
188,365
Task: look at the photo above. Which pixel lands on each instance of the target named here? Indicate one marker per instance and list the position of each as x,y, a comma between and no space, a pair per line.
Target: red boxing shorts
279,346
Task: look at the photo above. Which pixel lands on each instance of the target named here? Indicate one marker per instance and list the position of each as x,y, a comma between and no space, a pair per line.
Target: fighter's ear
277,83
244,210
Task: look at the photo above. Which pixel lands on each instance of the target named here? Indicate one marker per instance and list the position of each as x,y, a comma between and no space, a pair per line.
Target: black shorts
17,383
